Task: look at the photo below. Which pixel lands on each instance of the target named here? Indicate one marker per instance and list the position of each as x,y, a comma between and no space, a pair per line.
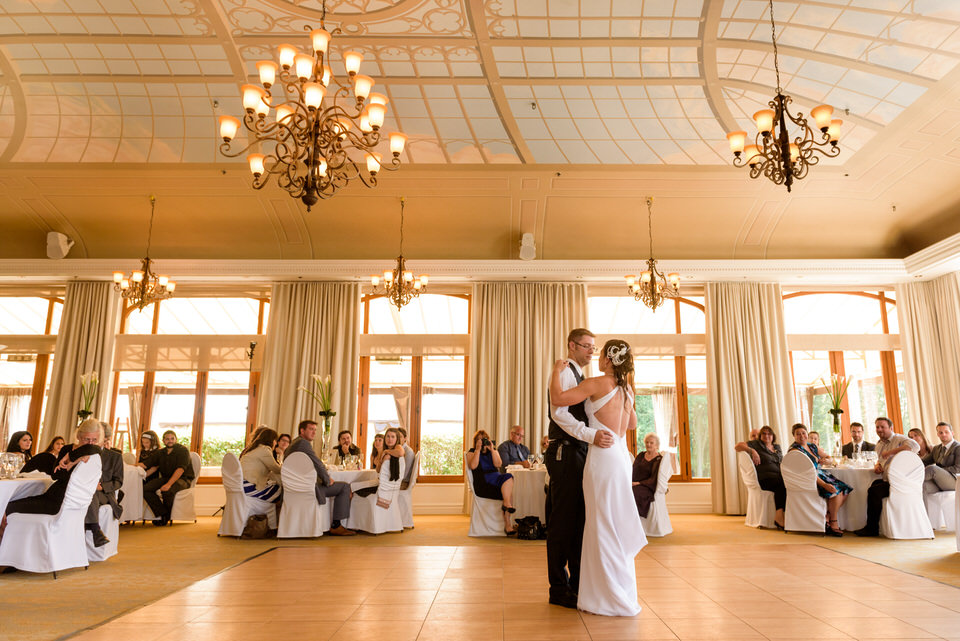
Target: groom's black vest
578,411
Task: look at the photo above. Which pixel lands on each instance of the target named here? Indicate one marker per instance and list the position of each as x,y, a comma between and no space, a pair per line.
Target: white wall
447,498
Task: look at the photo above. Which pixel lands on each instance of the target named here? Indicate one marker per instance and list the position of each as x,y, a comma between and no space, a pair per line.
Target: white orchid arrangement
89,383
323,394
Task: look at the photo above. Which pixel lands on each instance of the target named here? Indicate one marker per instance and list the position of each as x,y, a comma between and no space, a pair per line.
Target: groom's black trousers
565,525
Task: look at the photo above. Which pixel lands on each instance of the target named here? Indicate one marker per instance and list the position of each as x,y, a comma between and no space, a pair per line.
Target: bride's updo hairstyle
620,355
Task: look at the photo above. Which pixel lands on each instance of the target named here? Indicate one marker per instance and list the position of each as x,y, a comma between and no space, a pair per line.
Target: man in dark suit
856,444
111,478
326,487
943,462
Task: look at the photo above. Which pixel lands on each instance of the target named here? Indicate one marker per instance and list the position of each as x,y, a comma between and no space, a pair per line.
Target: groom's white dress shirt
563,417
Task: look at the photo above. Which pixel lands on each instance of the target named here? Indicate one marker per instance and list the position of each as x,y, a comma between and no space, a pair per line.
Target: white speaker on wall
58,245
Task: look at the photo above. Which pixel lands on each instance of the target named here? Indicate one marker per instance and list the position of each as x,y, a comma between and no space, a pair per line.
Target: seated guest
857,443
149,445
889,445
174,472
754,434
828,486
376,450
544,444
943,463
408,456
253,436
111,479
283,442
21,443
766,456
488,482
345,447
326,487
88,436
814,437
921,440
513,450
261,472
390,465
46,460
646,471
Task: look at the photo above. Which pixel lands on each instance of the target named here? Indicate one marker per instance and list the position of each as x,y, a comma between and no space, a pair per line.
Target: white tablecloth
132,503
13,489
853,514
356,478
528,495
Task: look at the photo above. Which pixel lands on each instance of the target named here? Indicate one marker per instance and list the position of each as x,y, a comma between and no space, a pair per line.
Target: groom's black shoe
564,599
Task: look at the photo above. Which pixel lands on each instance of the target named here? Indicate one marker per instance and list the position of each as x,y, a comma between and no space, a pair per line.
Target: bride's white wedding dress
612,534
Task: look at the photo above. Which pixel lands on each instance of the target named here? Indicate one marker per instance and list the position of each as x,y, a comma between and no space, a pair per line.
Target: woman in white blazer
261,472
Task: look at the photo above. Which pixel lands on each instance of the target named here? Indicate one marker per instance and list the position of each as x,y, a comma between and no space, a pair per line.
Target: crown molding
936,260
877,272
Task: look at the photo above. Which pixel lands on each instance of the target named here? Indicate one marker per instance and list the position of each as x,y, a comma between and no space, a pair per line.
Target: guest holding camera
488,482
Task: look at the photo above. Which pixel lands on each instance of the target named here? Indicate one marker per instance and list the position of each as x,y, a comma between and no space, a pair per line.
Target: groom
565,458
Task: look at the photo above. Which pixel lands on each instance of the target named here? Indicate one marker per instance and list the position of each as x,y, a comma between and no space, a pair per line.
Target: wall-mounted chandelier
319,139
652,287
773,154
142,287
400,286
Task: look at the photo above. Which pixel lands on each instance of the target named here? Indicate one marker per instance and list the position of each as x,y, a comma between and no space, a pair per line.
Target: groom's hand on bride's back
603,439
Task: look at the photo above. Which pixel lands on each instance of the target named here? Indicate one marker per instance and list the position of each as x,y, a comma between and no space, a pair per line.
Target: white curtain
14,408
748,378
929,315
665,419
518,331
313,329
85,341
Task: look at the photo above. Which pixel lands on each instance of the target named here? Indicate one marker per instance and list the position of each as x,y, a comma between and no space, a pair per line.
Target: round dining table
356,478
528,495
13,489
853,513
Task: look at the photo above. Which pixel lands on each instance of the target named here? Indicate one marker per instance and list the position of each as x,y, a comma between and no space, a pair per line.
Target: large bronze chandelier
652,287
773,154
319,138
142,287
400,286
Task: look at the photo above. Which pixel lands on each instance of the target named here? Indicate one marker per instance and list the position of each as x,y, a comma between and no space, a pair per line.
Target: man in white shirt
889,445
565,458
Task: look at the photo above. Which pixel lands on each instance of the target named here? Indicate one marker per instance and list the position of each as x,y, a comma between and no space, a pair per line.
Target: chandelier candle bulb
362,85
313,94
351,62
376,114
124,284
794,152
320,38
751,155
737,140
303,66
631,279
379,99
327,74
228,127
171,286
365,123
284,112
822,115
834,131
373,163
764,119
163,280
252,96
321,168
268,73
407,276
387,276
256,164
118,277
397,142
424,280
374,280
136,276
287,54
417,285
674,279
262,109
645,277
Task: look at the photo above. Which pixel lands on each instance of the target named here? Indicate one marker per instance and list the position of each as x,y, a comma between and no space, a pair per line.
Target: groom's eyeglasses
589,348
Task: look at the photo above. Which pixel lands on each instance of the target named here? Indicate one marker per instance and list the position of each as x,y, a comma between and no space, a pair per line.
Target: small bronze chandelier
773,154
320,138
400,286
652,287
142,287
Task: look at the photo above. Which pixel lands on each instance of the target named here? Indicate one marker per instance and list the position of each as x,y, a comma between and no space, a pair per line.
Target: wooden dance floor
498,593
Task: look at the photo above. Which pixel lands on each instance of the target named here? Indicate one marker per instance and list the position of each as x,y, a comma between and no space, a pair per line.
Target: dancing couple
594,530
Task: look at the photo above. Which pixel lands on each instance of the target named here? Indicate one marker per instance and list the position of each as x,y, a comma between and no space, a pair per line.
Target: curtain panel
518,330
748,378
313,329
929,314
85,342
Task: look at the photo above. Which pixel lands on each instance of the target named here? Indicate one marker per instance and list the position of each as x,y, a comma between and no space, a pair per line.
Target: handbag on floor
256,527
529,528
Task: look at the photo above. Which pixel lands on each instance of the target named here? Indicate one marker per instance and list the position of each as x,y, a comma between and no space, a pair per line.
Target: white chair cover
129,458
53,542
657,522
904,516
111,528
956,513
301,515
485,515
760,505
405,497
184,502
240,506
367,516
940,510
805,510
132,502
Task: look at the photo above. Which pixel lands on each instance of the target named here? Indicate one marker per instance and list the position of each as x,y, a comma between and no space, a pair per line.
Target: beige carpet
155,562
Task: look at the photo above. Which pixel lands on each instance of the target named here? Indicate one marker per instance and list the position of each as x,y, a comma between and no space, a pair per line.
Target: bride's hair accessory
618,353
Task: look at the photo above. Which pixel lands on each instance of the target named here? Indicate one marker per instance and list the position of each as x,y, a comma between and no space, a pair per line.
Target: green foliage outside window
442,455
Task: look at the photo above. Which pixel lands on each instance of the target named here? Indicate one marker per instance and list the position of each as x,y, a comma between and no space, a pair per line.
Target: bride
612,534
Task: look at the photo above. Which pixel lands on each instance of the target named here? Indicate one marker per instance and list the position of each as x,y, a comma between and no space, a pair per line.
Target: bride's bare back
615,414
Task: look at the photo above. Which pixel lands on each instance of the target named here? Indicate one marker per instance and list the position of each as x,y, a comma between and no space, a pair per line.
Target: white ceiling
104,101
